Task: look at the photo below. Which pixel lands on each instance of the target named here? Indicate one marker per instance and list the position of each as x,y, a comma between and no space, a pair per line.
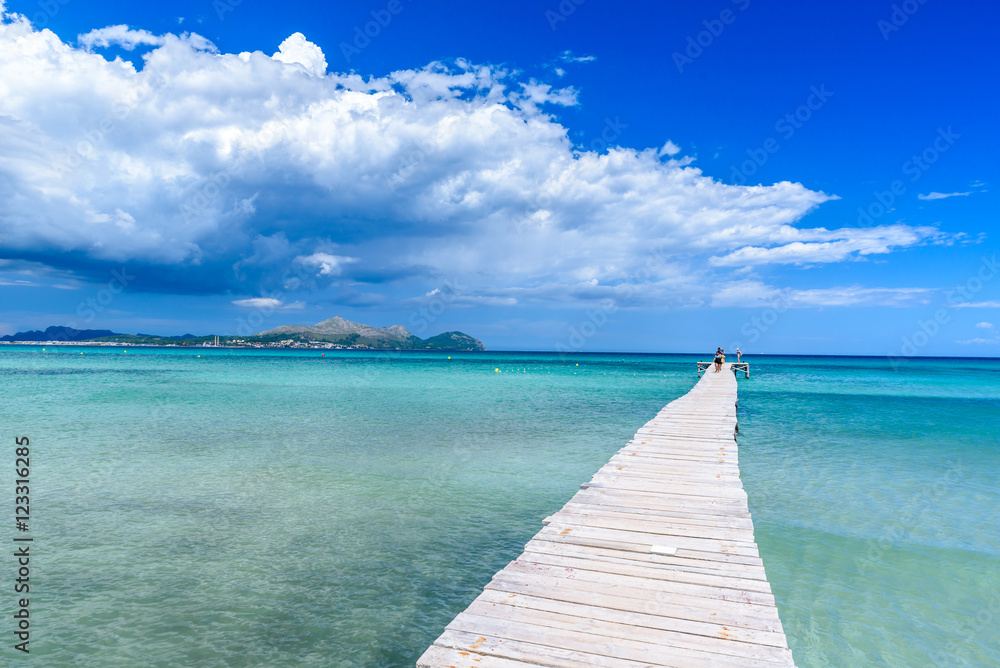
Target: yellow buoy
449,356
578,365
497,370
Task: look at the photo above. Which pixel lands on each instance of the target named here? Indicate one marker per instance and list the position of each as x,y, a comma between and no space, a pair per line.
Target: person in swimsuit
720,357
739,355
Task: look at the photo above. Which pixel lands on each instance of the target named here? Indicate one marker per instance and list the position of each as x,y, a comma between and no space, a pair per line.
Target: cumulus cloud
984,325
298,50
224,172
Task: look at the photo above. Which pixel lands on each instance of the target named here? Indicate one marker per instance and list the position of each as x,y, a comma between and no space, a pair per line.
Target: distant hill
157,336
59,334
344,332
338,328
454,341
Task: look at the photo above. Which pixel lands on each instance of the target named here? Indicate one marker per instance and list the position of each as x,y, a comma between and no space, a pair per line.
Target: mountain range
344,332
338,331
59,334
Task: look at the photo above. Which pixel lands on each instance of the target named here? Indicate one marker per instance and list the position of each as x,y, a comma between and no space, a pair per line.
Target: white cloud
459,299
861,296
269,304
755,294
987,304
936,195
248,167
820,245
298,50
980,341
120,35
984,325
670,148
328,265
259,302
568,57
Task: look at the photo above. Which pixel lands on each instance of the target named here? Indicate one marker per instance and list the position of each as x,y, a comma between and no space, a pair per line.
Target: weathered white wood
652,563
533,654
644,571
641,619
714,593
624,481
637,600
641,512
705,551
581,621
563,519
636,514
581,638
679,564
437,655
635,497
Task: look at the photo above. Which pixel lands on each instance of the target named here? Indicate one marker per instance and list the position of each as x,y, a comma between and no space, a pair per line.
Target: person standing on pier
720,357
738,355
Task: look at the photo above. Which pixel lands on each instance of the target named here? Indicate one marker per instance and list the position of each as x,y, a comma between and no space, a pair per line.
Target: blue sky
543,175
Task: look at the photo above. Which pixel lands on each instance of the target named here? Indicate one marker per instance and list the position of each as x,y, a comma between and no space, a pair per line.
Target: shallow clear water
282,508
876,507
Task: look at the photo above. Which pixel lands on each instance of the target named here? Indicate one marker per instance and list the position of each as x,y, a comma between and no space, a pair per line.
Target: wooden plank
648,558
647,525
697,595
554,618
642,619
457,658
632,600
707,545
602,646
536,654
652,563
644,571
570,538
637,514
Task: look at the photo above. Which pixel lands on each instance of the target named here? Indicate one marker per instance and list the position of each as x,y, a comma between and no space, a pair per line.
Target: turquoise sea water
286,509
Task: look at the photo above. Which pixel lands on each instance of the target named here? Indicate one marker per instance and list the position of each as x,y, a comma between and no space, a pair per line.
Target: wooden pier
652,563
